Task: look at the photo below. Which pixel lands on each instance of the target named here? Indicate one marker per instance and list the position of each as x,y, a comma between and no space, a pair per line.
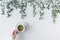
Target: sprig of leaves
22,5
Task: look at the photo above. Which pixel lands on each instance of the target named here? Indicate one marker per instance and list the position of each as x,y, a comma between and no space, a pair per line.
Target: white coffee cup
21,26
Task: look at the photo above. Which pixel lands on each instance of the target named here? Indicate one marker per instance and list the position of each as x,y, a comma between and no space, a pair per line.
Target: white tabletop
37,29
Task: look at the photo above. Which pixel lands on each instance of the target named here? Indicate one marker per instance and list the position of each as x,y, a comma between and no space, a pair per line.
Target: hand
15,32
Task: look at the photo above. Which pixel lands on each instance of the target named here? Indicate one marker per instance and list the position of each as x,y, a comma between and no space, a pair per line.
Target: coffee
20,27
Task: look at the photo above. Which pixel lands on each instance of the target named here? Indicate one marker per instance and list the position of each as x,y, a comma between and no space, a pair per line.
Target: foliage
36,4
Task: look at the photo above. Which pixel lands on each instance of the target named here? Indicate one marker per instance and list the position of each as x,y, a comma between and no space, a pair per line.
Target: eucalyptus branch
54,15
36,4
34,9
23,9
41,7
55,11
3,7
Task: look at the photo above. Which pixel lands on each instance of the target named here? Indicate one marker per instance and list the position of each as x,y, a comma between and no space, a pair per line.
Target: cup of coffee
21,26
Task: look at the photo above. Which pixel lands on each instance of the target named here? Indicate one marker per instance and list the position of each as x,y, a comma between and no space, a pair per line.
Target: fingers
15,32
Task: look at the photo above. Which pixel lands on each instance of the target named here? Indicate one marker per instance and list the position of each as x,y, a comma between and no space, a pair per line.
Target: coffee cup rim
22,25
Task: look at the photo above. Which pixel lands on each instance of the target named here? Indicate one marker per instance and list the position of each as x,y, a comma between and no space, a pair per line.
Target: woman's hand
15,32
